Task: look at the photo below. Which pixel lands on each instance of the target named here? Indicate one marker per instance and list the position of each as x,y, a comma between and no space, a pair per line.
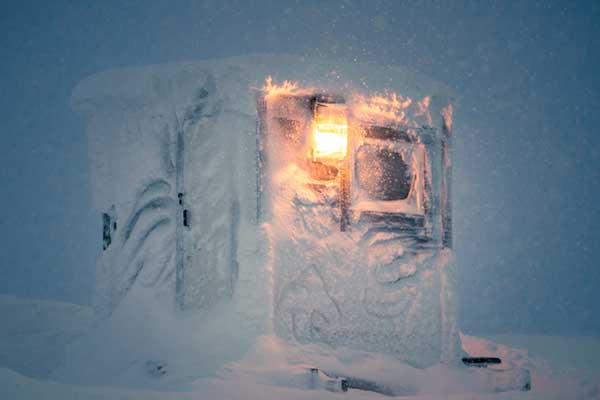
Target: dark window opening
186,218
386,133
106,236
383,174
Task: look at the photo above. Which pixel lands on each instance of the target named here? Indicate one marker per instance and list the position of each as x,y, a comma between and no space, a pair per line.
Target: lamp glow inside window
330,133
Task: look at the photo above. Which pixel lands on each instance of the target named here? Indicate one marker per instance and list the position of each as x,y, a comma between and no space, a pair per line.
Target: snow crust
34,334
381,285
270,369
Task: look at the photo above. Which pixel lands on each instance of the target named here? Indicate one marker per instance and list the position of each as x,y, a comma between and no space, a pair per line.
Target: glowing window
330,132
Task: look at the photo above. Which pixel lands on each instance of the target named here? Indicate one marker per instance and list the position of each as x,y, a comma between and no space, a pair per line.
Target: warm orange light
289,88
381,109
330,132
331,141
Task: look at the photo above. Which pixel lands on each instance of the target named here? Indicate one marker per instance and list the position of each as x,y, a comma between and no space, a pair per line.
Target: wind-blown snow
186,303
271,370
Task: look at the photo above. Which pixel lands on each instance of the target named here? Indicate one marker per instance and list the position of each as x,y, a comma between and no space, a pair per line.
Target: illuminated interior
330,132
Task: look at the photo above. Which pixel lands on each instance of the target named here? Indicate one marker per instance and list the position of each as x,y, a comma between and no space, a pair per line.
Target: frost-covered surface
174,140
377,280
561,367
189,128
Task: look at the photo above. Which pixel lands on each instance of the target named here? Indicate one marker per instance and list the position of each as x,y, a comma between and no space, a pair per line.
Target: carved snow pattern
301,307
145,252
389,301
394,286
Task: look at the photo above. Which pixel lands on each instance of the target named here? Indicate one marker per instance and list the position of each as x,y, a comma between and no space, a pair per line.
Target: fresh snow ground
36,333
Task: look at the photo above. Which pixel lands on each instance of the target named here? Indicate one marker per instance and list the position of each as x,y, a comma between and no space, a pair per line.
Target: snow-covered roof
173,83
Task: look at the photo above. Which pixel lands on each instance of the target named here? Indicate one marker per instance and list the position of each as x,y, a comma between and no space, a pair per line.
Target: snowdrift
561,367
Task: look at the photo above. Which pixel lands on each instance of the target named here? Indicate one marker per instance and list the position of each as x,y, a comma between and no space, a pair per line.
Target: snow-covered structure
357,195
215,197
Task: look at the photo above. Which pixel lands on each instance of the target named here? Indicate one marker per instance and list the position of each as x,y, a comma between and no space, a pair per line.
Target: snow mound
34,333
34,340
